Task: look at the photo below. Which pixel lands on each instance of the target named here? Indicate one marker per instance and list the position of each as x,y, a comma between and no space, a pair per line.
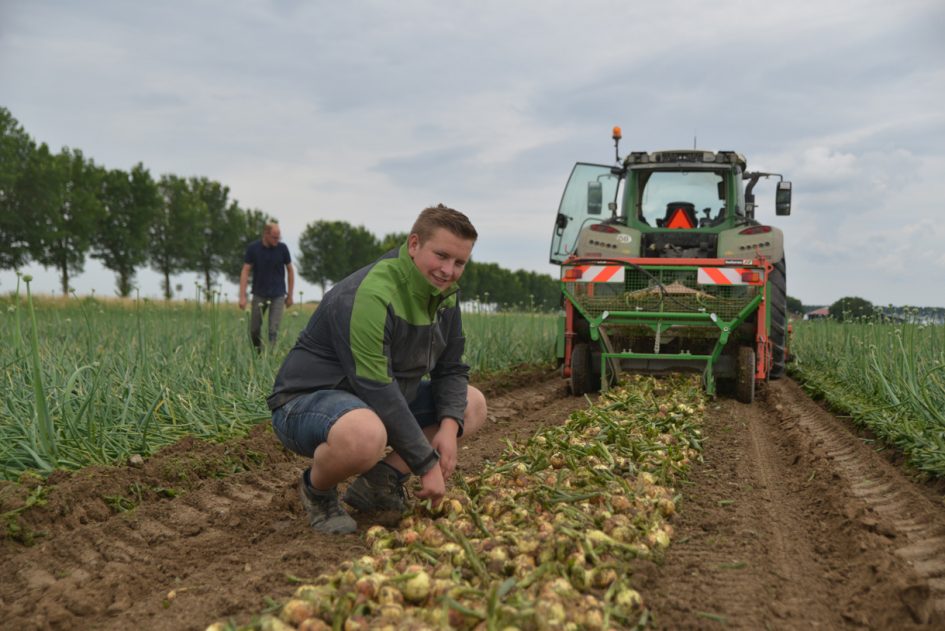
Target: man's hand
433,487
242,302
445,442
288,301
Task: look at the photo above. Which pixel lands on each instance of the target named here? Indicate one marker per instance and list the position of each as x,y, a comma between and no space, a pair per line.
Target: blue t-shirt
268,268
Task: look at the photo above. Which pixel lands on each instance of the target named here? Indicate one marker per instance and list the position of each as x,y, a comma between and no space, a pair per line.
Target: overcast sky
369,111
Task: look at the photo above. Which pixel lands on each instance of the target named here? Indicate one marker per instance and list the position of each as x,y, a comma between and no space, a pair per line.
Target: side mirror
595,198
561,222
782,199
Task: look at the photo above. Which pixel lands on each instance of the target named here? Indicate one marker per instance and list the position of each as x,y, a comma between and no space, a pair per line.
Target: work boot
324,511
378,490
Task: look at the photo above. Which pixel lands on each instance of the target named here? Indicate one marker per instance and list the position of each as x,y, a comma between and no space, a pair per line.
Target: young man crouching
352,384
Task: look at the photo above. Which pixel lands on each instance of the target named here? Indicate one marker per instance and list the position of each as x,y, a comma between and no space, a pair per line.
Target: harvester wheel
779,319
581,371
745,375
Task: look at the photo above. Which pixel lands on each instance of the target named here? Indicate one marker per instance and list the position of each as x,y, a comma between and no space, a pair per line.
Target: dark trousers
276,307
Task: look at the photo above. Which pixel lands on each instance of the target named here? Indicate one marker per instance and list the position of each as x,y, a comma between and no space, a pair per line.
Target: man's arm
450,376
450,381
445,442
290,273
244,280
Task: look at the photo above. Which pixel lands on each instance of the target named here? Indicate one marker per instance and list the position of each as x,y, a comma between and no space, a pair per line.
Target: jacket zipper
439,300
436,313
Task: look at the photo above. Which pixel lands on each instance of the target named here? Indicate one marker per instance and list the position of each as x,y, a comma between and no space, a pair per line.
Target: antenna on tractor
693,140
617,136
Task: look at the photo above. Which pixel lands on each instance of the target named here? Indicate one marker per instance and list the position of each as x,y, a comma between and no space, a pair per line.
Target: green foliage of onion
92,381
43,438
889,377
123,378
498,341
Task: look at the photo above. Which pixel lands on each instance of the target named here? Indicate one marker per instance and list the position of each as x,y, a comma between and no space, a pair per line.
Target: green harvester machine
664,268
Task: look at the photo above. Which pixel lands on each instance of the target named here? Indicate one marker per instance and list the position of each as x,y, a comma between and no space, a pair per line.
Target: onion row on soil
92,381
888,377
544,538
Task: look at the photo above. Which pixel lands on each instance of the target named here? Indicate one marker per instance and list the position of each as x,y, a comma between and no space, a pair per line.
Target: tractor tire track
896,508
793,522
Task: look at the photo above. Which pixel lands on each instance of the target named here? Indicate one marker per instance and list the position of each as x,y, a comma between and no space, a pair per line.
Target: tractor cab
589,202
664,268
675,203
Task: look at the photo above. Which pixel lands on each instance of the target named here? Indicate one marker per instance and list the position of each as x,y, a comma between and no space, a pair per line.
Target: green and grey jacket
375,334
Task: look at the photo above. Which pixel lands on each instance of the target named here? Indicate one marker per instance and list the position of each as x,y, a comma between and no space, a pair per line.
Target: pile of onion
545,538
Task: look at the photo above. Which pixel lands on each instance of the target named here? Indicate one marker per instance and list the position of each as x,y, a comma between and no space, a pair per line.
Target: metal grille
679,293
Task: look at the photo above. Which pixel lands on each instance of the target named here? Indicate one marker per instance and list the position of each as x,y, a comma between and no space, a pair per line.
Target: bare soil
793,521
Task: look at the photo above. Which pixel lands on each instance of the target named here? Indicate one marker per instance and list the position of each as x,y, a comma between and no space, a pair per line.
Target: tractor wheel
745,375
581,372
779,319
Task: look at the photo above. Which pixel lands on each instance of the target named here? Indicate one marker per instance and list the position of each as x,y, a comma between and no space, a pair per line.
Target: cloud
369,112
824,164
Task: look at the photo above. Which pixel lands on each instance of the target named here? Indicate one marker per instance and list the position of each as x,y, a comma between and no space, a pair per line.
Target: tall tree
172,241
330,250
221,226
16,148
539,291
795,305
131,202
363,249
64,191
493,285
851,307
391,241
489,283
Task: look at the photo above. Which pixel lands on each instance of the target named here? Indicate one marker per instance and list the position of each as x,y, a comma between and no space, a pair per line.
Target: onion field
92,381
888,377
647,506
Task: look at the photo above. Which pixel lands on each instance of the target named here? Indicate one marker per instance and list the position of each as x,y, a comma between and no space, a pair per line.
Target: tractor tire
745,375
779,319
581,371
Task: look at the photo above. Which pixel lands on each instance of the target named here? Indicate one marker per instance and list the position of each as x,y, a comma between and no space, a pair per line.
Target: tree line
57,209
854,308
330,250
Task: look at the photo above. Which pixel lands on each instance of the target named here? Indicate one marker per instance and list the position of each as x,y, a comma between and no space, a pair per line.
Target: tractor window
703,189
582,204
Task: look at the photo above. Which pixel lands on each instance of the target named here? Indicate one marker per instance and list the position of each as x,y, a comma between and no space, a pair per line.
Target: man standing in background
270,262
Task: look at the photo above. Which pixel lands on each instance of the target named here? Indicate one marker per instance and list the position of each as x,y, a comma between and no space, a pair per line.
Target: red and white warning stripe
593,273
726,276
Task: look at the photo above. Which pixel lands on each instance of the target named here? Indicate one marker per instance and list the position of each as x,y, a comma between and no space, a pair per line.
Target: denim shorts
303,423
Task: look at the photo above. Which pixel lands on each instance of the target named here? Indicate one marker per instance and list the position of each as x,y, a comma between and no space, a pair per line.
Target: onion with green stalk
543,538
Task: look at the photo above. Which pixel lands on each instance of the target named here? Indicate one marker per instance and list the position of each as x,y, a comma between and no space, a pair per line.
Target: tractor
664,268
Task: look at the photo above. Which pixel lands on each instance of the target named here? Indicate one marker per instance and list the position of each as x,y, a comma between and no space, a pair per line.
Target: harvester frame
644,292
750,272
